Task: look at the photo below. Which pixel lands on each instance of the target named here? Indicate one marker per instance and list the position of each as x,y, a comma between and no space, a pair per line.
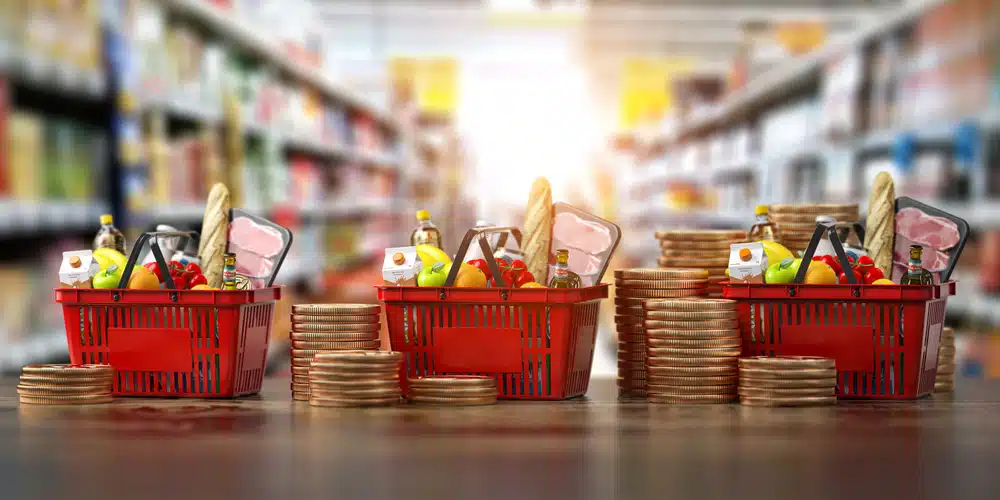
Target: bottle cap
760,210
423,215
562,256
107,219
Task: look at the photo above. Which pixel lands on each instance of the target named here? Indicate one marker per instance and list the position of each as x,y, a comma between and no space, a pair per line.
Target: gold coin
755,392
777,383
660,274
336,309
946,351
335,327
646,293
454,392
470,401
382,366
357,375
625,319
629,310
452,381
811,218
632,338
631,366
298,396
700,246
344,402
323,391
813,208
693,399
679,334
694,390
634,329
635,356
300,370
679,352
302,344
344,346
700,235
632,393
691,315
377,357
788,362
680,381
353,384
691,361
58,380
81,399
673,253
301,388
700,263
789,401
693,371
805,373
709,324
695,343
661,284
320,318
946,369
300,379
795,228
69,370
36,390
335,336
301,362
691,304
944,386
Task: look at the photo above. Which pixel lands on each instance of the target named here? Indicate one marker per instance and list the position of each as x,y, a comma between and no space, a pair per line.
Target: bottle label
914,268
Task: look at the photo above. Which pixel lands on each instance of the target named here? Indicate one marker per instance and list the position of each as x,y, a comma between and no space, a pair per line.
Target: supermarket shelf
800,73
193,212
47,346
37,71
29,218
175,106
659,216
226,26
317,146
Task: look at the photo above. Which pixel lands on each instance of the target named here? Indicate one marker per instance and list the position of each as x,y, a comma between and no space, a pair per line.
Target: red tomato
197,279
833,263
155,269
483,266
873,273
179,282
502,264
523,277
509,278
865,261
518,264
193,268
842,277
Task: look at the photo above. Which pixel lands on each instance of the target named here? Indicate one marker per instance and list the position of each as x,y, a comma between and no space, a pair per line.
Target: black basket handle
152,238
478,233
821,229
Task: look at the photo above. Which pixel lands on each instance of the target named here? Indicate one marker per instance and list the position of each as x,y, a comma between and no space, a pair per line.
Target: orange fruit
143,279
819,273
203,287
532,284
470,276
883,282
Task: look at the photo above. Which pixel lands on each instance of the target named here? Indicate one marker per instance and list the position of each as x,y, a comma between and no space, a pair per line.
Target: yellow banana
107,256
429,254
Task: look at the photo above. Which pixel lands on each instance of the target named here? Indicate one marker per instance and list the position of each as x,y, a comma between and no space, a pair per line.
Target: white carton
401,266
747,262
77,269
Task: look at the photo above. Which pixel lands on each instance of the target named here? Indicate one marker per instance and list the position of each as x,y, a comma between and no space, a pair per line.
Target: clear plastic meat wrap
591,242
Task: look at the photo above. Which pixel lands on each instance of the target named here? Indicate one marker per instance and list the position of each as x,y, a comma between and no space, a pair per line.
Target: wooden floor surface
593,447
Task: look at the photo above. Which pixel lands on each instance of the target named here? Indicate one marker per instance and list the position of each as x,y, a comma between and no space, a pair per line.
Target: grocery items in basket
590,240
538,229
747,262
329,328
702,249
401,266
354,379
77,269
108,236
229,271
944,378
455,390
693,346
107,256
788,381
109,277
562,277
260,247
632,288
426,233
429,254
764,228
915,273
65,384
215,234
941,235
880,227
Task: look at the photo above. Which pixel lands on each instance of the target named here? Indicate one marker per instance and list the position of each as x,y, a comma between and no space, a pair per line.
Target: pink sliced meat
252,237
926,230
251,264
932,259
574,232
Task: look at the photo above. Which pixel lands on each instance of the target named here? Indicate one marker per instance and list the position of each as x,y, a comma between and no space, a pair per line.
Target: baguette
880,233
215,234
538,230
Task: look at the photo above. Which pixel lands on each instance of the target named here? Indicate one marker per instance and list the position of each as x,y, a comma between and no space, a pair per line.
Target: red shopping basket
884,338
537,342
171,343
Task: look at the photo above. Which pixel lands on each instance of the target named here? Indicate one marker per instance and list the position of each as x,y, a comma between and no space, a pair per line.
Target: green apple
781,273
108,278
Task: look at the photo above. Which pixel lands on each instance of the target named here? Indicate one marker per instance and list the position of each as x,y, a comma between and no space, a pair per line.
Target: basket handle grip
153,239
821,229
478,233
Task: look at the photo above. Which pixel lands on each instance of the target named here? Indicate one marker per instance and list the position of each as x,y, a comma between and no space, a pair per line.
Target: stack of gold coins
797,223
632,288
788,381
703,249
66,384
321,328
355,378
944,381
457,390
693,346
